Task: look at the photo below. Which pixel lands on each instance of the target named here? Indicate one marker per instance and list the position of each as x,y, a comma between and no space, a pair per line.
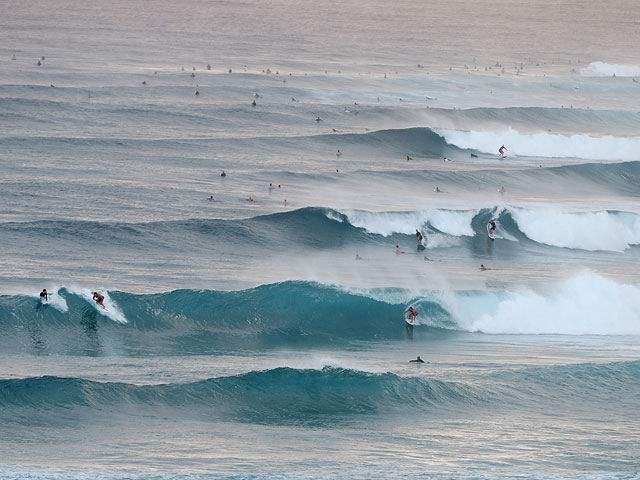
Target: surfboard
490,233
410,322
421,247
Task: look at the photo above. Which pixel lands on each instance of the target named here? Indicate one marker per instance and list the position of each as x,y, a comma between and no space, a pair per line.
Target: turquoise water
266,339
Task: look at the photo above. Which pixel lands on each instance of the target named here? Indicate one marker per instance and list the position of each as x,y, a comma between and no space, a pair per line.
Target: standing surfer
413,313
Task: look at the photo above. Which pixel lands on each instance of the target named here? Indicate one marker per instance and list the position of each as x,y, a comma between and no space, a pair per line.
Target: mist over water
266,338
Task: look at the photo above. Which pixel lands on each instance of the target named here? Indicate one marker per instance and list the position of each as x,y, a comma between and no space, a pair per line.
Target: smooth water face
265,338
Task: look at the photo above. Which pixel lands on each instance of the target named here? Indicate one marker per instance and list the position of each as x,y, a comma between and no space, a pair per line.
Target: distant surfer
285,203
502,190
44,296
413,313
271,187
358,257
253,104
99,299
493,226
419,237
398,250
223,174
318,119
473,155
338,154
501,151
250,199
211,199
437,190
409,158
483,268
417,360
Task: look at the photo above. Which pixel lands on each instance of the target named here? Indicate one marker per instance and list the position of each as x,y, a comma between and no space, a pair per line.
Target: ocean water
266,339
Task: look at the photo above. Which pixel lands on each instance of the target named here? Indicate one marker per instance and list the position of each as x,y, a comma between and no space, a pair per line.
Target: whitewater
254,322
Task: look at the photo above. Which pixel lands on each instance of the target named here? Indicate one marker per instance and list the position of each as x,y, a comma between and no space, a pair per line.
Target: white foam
546,145
601,69
610,231
584,305
111,311
451,222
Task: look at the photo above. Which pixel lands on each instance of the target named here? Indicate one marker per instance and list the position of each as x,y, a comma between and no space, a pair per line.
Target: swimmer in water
417,360
210,198
250,199
398,250
223,174
338,154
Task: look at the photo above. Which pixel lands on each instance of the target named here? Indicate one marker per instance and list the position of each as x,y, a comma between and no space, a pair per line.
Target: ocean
266,338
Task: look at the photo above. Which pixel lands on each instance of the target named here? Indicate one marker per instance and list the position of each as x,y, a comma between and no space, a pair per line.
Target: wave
605,230
325,228
546,145
288,395
532,119
583,305
315,314
601,69
271,396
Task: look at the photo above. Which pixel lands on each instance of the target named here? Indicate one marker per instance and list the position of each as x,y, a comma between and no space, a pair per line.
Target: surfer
318,119
419,237
493,226
413,313
409,158
250,199
483,268
417,360
223,174
285,203
502,190
271,187
501,150
253,104
338,154
398,250
99,299
44,295
437,190
211,199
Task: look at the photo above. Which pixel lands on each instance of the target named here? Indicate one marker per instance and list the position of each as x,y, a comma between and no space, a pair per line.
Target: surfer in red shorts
99,299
